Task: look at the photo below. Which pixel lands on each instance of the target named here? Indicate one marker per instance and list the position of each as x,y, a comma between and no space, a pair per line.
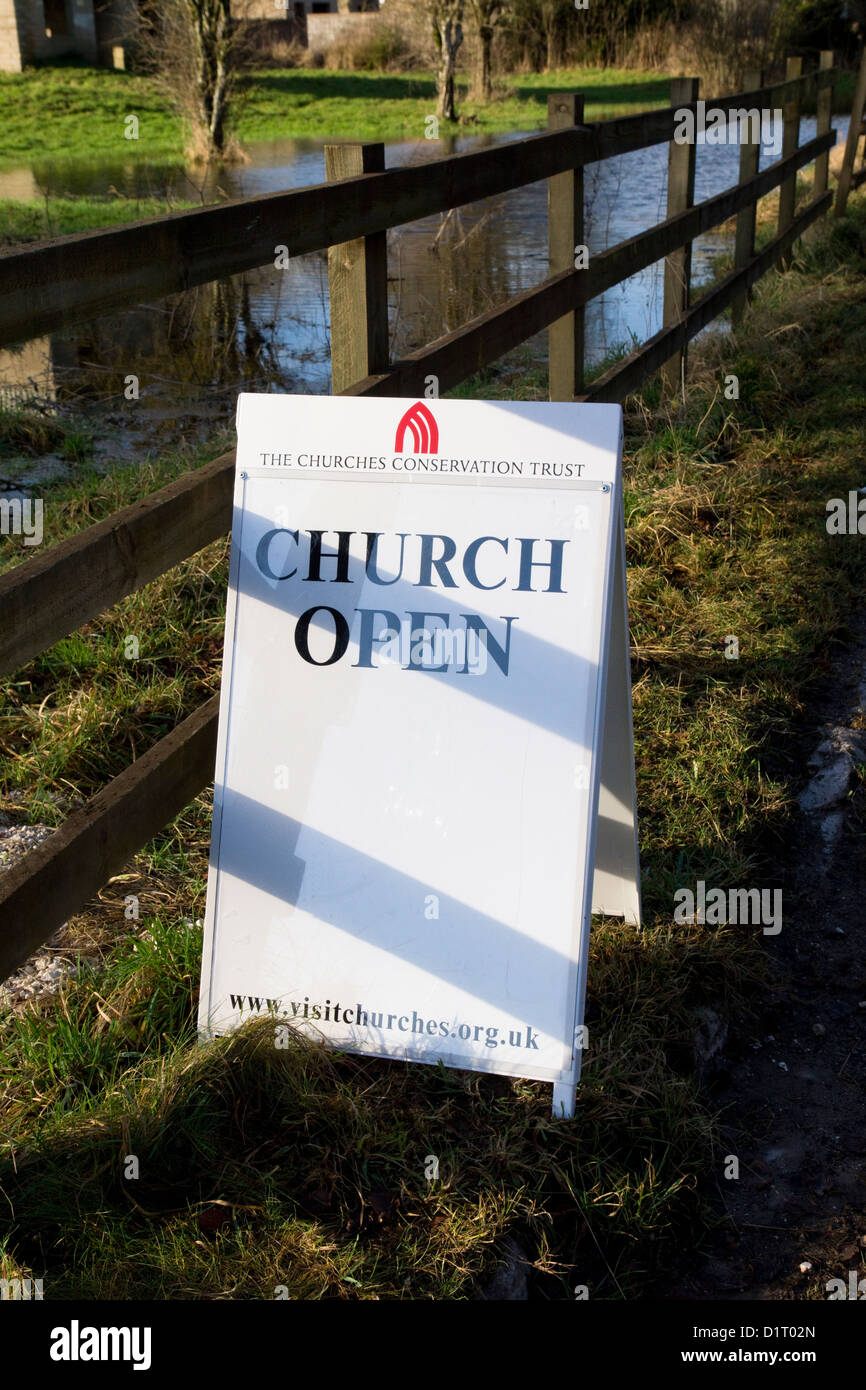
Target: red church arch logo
421,424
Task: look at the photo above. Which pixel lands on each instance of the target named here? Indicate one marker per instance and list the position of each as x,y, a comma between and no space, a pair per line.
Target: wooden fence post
825,112
750,154
790,141
855,130
565,233
678,265
358,281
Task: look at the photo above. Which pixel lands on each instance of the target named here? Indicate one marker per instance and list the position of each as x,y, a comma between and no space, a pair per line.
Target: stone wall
266,36
270,10
10,47
23,36
324,30
26,372
411,18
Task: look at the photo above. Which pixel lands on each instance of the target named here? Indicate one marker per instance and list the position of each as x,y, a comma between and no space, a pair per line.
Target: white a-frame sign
425,770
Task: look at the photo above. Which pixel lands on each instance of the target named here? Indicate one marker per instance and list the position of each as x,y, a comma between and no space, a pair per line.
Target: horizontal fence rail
66,870
489,336
625,376
61,282
53,594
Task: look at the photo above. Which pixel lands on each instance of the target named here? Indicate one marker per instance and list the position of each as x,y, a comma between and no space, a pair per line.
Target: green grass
320,1159
72,114
23,222
369,106
68,114
303,1168
65,114
26,432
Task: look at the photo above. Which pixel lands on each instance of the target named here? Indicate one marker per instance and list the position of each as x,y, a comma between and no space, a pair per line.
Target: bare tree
447,18
193,50
552,14
486,15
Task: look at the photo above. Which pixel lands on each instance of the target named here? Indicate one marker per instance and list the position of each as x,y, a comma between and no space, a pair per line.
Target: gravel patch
45,971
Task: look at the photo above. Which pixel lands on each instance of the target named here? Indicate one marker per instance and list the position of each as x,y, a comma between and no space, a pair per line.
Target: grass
262,1169
23,222
68,114
28,432
372,106
71,114
65,114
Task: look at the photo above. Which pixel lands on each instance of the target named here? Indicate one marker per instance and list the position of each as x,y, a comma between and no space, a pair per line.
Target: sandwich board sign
425,769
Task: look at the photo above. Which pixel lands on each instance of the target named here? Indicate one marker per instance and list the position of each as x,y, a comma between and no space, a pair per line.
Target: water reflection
268,329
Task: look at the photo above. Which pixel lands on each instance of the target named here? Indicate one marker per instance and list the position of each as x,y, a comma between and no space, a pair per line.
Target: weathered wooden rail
61,282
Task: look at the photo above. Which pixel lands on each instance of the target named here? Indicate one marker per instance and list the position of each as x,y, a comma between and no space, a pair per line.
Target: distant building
271,9
95,30
44,29
275,10
315,24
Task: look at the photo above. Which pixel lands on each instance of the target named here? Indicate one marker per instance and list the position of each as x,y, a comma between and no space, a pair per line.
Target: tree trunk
451,37
482,84
213,25
218,108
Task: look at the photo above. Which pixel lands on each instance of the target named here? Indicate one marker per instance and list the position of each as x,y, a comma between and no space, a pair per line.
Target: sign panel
410,739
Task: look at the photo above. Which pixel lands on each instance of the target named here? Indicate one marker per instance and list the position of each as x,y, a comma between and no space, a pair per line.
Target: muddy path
791,1086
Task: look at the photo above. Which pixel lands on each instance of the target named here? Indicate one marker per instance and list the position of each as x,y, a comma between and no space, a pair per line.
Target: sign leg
616,884
564,1100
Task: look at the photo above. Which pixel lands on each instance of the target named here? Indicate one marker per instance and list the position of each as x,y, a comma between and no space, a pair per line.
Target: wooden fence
58,283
